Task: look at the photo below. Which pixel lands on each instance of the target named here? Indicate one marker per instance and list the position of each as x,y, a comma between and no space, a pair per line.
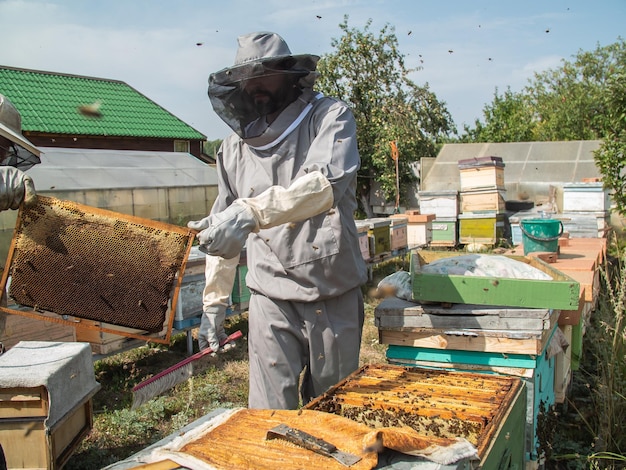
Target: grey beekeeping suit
292,183
17,154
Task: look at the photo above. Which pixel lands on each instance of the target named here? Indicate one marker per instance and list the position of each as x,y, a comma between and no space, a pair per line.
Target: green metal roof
49,102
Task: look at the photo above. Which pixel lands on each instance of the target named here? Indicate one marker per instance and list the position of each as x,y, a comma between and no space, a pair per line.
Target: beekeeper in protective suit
16,153
287,184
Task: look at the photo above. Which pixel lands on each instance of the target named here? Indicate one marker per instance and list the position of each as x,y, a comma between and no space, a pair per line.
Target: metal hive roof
48,103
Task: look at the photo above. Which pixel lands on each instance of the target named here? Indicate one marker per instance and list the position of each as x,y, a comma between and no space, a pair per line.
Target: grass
220,382
588,431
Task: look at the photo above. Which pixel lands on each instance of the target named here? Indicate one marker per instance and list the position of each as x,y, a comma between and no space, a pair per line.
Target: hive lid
69,261
478,162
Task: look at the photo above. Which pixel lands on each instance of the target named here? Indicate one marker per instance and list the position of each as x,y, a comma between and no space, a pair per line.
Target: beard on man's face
266,102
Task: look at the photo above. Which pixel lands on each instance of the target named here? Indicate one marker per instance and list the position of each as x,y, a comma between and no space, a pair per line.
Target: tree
583,99
368,72
509,118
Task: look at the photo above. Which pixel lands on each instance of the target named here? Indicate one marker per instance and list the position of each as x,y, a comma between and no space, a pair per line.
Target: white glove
225,233
15,187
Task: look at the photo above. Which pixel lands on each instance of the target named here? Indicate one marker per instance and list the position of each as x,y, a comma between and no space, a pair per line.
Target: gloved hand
211,330
225,233
15,187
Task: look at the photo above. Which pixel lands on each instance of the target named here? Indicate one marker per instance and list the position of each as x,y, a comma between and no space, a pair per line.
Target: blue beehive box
536,371
478,338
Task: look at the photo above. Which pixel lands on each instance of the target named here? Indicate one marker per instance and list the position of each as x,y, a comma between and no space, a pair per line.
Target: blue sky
166,49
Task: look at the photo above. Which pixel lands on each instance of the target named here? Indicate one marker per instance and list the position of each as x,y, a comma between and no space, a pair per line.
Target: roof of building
527,164
51,102
65,169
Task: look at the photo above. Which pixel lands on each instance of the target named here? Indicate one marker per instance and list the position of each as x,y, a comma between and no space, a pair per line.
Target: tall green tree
583,99
368,72
509,118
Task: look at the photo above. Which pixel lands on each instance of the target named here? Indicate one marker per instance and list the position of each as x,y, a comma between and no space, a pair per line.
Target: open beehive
436,403
69,261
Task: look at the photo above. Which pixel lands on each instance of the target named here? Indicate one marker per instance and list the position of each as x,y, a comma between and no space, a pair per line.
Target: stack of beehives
444,205
483,324
482,200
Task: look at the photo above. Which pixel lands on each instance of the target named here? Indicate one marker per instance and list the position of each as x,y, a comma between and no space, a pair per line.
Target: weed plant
592,431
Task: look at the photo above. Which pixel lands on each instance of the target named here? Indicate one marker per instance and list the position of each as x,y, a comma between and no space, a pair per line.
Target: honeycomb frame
97,269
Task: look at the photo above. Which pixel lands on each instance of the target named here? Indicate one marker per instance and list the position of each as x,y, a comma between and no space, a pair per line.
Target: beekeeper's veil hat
22,154
259,54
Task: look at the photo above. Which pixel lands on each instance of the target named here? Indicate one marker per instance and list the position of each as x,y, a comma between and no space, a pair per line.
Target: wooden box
585,197
563,367
445,232
444,204
420,230
480,177
488,411
483,200
506,330
16,328
105,342
562,292
47,409
380,235
537,371
362,229
398,232
486,228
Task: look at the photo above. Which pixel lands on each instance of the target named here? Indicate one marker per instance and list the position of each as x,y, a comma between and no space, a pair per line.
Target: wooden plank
475,340
21,402
397,313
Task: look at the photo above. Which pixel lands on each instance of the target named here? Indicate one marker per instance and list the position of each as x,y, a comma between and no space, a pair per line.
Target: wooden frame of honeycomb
70,262
436,403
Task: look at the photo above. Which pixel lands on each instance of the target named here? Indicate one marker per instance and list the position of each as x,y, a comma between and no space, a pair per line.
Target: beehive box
420,229
102,341
488,228
563,367
488,411
537,371
444,204
506,330
585,197
240,293
482,200
481,174
398,232
362,228
445,232
45,402
562,292
379,232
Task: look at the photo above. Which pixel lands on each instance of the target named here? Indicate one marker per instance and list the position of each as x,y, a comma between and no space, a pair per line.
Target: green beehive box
240,293
562,292
444,232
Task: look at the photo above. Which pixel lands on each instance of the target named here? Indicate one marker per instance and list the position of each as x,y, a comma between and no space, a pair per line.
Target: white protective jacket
319,257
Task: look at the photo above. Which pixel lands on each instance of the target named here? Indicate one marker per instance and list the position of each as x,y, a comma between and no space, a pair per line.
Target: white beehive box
585,197
444,204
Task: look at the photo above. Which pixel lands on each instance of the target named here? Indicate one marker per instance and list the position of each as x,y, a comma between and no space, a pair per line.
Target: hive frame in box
49,246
